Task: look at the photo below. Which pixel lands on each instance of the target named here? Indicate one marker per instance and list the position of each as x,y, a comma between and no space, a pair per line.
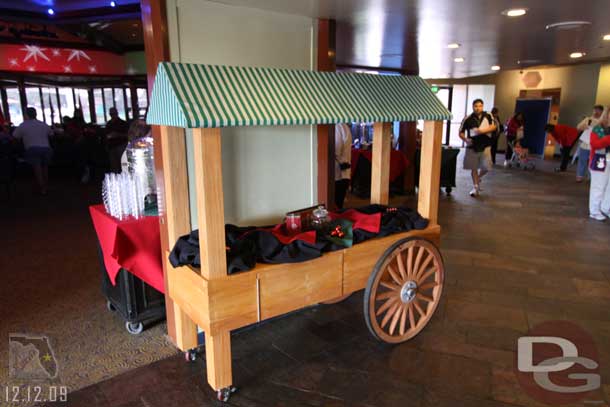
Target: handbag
598,163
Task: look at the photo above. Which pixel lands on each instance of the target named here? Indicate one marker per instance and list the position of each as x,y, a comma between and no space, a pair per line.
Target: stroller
520,157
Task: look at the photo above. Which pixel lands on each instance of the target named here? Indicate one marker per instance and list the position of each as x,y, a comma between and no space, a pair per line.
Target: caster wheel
448,190
190,355
110,307
224,394
404,290
134,328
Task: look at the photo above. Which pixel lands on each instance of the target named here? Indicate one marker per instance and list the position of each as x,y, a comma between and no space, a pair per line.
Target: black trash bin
136,302
448,168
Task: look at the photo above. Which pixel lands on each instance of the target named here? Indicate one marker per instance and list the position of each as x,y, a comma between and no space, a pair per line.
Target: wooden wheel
404,290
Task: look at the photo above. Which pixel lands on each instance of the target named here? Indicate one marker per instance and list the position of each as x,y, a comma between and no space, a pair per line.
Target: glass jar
320,218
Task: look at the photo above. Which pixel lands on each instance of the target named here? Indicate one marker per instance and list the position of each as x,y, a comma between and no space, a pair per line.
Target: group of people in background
86,140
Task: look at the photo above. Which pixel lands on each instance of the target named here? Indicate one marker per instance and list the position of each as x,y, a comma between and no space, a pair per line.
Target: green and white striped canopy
192,96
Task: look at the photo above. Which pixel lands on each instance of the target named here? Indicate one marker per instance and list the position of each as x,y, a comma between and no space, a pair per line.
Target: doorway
536,113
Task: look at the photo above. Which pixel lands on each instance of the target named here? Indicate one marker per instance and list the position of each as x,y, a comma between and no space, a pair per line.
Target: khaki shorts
477,160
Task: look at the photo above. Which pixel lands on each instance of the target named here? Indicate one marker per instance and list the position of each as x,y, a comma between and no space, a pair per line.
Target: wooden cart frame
395,270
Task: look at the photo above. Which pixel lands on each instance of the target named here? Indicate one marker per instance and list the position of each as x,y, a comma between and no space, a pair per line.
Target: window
108,100
51,109
119,102
100,111
14,105
32,95
129,109
142,101
66,102
82,101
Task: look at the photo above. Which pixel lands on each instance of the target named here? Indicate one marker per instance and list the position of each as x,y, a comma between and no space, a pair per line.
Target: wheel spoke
389,314
411,317
395,319
390,286
420,311
386,305
427,286
420,253
425,264
401,265
394,275
425,297
410,262
427,275
385,295
403,320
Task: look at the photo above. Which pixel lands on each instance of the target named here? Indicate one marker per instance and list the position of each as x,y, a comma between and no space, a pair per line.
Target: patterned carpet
51,286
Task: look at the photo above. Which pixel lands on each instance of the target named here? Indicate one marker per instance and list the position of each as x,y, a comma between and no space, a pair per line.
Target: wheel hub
408,291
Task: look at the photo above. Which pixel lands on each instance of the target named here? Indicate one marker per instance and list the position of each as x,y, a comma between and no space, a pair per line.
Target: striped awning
191,96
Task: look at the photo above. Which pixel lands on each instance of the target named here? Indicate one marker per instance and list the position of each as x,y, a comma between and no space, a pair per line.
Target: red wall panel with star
51,60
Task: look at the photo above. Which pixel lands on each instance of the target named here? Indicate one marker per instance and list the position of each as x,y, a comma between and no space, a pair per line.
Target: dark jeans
494,147
565,156
341,187
509,150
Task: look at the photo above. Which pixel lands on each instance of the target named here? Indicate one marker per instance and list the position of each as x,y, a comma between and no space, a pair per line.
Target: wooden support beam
175,216
408,146
380,174
218,360
210,202
326,133
430,171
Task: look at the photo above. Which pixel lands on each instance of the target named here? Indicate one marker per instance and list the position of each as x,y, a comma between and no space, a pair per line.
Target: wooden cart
402,274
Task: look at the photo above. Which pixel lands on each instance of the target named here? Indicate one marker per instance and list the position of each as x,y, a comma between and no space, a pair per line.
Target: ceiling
413,35
406,35
75,23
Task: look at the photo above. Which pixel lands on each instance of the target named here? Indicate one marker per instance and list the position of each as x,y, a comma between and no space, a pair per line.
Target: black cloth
479,142
248,245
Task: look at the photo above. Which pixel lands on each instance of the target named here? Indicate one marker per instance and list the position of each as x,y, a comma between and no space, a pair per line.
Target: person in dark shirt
476,131
116,139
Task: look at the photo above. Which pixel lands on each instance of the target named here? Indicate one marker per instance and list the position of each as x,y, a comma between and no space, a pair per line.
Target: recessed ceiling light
495,68
515,12
51,11
453,45
112,4
459,59
568,25
575,55
607,37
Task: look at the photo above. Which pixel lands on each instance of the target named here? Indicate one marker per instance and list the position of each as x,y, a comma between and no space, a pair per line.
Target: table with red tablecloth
398,162
132,244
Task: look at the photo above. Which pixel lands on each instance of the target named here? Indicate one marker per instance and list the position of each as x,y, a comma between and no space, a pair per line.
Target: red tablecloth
134,245
398,162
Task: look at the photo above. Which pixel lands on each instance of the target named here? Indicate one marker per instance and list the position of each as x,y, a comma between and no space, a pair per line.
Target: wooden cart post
430,171
211,220
380,174
177,216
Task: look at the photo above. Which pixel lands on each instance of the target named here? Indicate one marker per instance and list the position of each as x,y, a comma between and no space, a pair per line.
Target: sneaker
600,218
558,169
505,164
579,179
606,214
475,192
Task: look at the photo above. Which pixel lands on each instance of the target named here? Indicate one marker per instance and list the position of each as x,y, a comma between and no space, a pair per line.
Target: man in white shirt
343,160
585,126
35,136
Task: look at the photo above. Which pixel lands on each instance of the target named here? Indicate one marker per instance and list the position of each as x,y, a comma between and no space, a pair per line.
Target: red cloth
279,231
565,135
512,127
134,245
398,162
370,223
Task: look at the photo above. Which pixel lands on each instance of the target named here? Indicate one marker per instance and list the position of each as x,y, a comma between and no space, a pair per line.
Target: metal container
140,162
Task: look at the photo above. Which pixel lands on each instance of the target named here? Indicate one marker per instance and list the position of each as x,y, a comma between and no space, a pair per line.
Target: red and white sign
51,60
